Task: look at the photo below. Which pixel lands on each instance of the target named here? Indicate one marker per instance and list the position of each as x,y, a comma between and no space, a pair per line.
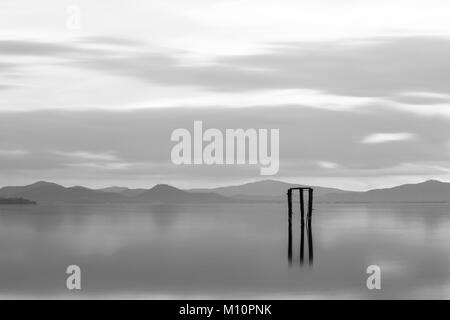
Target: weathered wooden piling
310,202
302,224
302,207
302,201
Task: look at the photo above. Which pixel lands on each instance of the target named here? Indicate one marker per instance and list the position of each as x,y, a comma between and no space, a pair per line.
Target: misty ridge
260,191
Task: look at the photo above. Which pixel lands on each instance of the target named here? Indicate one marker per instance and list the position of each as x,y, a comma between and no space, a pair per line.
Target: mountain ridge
257,191
264,190
427,191
167,193
47,192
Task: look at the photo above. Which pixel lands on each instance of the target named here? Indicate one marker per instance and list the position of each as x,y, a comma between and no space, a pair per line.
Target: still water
223,251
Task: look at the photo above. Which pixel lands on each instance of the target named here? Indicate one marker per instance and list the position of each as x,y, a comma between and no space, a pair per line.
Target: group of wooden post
302,223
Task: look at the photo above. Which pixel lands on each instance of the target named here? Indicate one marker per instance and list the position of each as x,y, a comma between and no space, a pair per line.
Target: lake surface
223,251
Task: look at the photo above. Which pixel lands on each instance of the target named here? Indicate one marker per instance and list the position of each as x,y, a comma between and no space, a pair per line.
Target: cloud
4,87
39,48
140,139
86,155
387,69
87,160
327,164
373,67
101,166
421,98
387,137
12,152
333,74
304,98
108,40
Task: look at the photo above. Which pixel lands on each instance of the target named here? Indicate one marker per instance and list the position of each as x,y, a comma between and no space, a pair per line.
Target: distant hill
46,192
16,201
113,189
261,191
265,190
428,191
163,193
123,191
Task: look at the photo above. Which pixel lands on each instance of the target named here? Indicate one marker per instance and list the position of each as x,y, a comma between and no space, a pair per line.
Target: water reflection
304,228
310,242
225,251
164,215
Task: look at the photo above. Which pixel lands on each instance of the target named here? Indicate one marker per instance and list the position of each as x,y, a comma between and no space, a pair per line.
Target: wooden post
289,194
310,203
302,206
308,227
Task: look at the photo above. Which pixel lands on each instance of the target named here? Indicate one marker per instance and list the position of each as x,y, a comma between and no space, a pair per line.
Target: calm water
223,251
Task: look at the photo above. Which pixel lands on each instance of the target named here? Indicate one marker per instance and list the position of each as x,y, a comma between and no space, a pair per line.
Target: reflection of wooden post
302,205
310,243
310,203
302,240
289,225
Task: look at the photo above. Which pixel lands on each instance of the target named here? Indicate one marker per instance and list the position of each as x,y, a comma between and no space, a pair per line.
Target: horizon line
223,186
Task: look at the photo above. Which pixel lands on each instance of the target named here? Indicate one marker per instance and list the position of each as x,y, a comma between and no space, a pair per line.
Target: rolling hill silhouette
168,194
261,191
46,192
265,190
123,191
428,191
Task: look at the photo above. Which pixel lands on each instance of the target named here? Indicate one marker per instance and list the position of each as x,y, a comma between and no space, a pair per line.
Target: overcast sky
359,89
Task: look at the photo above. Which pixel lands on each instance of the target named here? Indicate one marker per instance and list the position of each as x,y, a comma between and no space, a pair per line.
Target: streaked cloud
328,75
100,166
334,75
86,155
134,147
327,164
422,98
280,97
388,137
12,152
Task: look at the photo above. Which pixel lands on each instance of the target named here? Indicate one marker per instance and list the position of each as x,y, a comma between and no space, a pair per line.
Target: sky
358,89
